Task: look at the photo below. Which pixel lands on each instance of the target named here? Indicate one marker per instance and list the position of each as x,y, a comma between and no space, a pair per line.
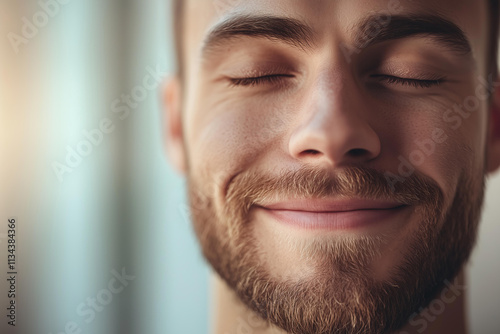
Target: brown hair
178,21
494,35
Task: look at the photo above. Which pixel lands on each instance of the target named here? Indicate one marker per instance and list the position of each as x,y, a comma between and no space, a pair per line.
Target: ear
494,133
174,137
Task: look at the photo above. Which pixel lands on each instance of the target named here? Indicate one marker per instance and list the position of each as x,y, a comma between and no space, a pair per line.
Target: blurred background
103,237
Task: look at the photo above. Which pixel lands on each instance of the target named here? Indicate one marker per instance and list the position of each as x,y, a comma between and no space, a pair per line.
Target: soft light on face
350,283
290,106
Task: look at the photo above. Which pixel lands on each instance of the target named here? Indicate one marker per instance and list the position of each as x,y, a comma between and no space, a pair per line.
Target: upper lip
332,205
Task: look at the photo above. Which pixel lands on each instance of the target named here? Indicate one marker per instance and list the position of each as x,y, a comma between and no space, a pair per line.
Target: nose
334,127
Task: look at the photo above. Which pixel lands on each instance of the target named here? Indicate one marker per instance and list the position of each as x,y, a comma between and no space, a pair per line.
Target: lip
328,205
344,214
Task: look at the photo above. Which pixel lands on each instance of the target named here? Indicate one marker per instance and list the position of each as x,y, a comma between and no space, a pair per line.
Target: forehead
201,14
327,17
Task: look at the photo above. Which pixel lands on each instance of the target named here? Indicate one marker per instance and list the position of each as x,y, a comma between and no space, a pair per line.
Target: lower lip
341,220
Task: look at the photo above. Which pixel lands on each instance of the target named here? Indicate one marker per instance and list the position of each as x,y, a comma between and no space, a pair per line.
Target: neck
444,315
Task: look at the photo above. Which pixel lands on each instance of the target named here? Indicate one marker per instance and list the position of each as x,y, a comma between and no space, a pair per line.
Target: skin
215,130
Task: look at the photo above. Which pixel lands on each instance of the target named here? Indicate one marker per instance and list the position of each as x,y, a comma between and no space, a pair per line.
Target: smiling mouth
333,214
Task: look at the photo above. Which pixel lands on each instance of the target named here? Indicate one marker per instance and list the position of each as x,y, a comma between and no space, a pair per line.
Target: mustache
254,188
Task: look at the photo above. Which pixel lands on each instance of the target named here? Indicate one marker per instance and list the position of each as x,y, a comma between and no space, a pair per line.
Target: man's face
336,152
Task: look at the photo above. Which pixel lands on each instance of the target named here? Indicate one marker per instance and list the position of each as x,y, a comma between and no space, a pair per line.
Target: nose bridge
334,125
329,97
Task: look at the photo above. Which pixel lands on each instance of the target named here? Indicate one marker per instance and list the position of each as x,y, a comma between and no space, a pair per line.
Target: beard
341,294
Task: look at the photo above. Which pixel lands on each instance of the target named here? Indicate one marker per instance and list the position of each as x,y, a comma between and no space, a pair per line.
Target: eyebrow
287,30
298,34
436,27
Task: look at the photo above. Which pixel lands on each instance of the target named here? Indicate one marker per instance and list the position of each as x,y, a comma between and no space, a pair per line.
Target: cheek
443,140
230,136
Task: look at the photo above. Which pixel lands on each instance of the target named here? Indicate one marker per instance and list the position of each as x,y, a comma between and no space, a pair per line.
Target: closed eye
416,83
254,81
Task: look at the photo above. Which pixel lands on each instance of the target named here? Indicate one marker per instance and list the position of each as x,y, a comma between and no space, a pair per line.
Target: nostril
357,152
311,152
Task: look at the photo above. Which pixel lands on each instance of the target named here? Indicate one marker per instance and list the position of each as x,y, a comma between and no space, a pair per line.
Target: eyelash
416,83
277,78
254,81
